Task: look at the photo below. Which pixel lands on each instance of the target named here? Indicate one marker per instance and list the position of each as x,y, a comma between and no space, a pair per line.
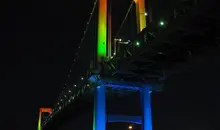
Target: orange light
130,127
42,110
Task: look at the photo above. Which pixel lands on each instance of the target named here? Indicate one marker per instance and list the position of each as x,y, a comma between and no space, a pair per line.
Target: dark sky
38,43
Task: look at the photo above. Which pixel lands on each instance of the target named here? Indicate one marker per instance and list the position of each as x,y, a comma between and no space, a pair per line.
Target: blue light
123,118
100,109
146,106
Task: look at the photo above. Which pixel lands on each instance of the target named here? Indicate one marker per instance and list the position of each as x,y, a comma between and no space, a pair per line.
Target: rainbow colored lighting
94,115
100,109
42,110
102,30
140,14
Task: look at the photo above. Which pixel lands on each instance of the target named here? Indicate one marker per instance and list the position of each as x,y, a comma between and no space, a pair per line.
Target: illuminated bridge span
165,41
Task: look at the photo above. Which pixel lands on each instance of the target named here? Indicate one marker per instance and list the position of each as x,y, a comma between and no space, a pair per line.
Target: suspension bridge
148,46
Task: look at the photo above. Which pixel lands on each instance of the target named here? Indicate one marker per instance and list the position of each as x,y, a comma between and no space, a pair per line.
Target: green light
102,30
161,23
137,44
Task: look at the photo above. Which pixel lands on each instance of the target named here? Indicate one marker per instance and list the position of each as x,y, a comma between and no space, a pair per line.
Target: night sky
38,43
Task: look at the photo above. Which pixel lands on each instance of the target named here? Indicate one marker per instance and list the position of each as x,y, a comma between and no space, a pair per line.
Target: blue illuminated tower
100,116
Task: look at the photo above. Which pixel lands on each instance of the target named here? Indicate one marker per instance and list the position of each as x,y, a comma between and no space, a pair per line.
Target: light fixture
130,127
161,23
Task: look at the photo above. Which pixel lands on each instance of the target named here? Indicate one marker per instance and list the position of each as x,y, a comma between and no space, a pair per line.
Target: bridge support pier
100,117
146,108
99,121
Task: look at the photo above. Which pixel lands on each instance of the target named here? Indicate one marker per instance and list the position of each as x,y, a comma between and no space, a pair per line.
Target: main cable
77,54
79,47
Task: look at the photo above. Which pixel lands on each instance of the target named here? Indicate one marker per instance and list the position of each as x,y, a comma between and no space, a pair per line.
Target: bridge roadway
176,47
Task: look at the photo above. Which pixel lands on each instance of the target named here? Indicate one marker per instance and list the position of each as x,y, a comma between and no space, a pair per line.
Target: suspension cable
122,24
90,18
77,54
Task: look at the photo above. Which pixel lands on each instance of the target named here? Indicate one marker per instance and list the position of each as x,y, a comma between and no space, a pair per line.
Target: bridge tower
100,118
104,42
140,15
104,25
43,110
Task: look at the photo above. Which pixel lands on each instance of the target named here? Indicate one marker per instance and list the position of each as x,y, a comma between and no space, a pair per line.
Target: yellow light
102,29
140,14
129,127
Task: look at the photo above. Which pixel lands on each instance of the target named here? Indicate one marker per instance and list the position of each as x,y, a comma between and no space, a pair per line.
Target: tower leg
146,108
140,14
102,30
39,120
99,120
